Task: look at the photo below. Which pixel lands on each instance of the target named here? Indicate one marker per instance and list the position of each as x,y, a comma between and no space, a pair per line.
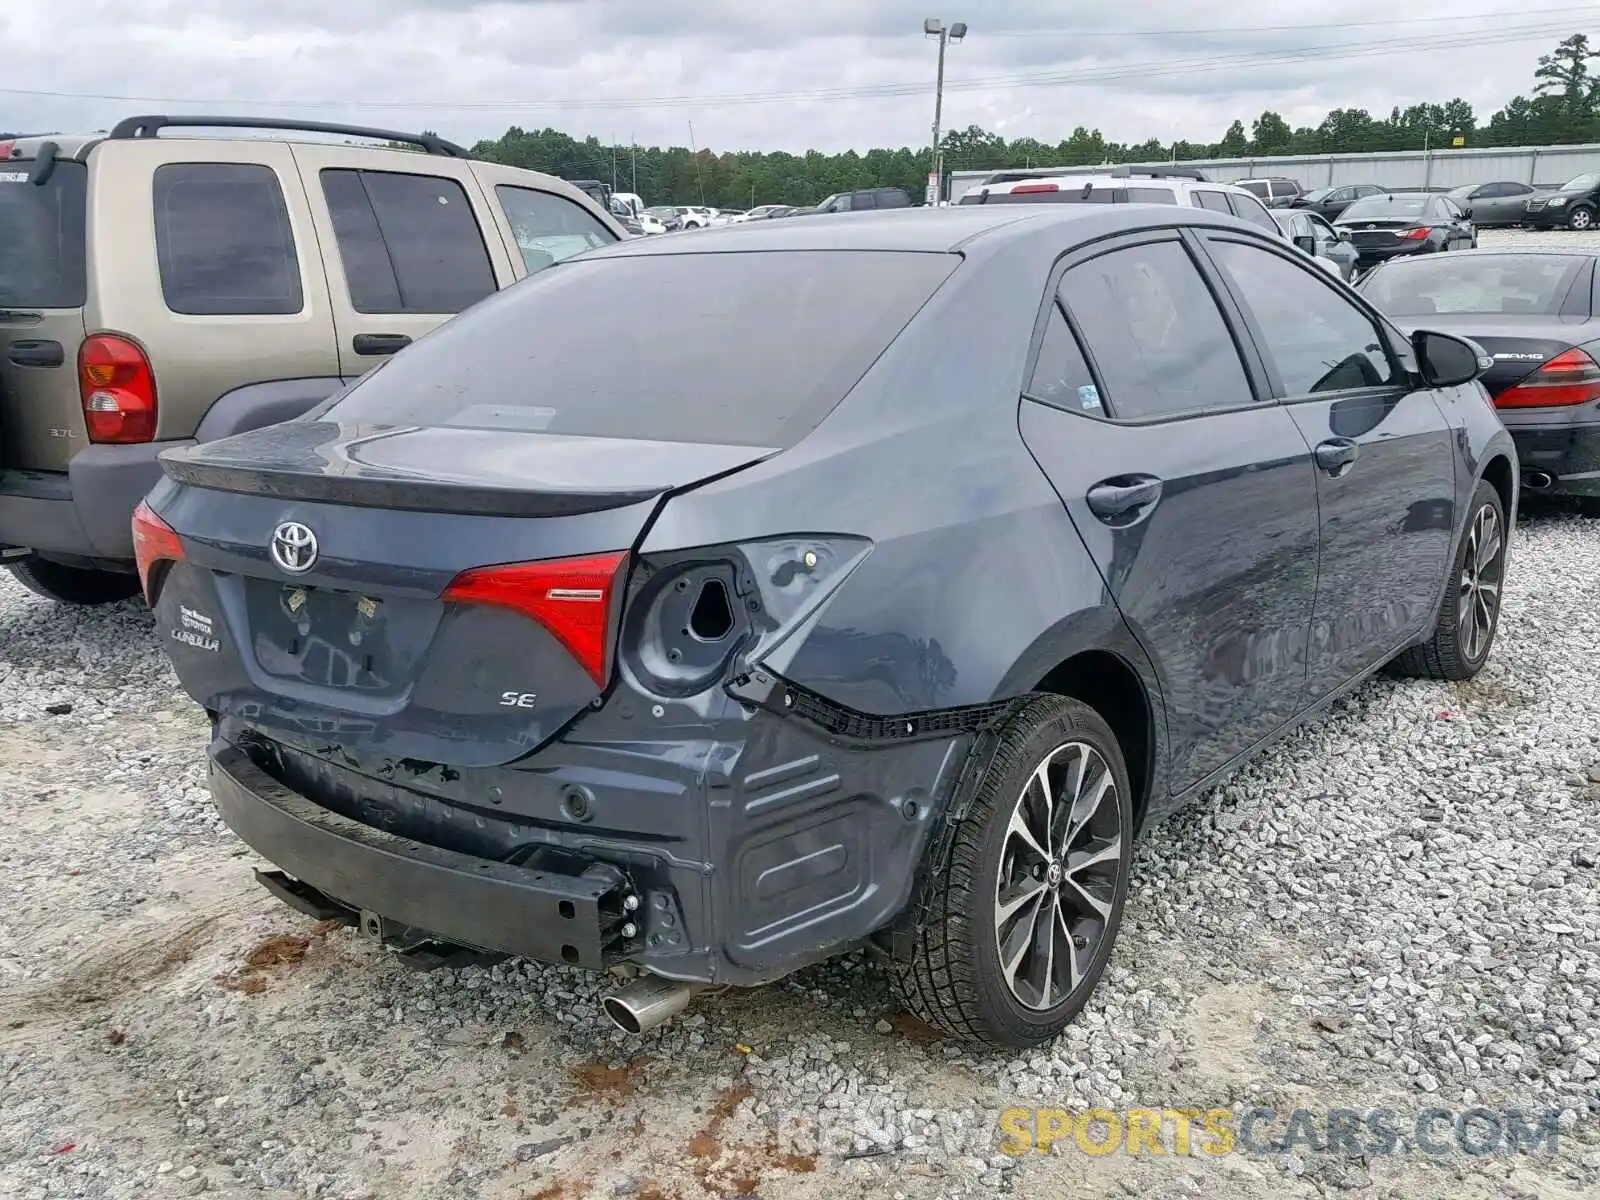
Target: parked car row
514,646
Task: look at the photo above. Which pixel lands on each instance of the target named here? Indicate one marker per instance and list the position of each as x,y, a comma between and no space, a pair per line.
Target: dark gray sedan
884,594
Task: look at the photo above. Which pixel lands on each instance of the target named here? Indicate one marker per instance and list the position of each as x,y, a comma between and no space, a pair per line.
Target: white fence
1540,165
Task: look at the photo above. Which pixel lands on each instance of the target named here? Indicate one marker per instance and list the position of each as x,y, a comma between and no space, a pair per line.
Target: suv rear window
409,243
752,349
223,240
42,258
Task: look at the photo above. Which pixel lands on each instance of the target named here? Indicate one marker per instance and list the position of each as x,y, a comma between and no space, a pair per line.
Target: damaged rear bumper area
715,860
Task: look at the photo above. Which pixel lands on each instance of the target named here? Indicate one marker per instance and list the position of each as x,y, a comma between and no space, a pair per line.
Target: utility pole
935,28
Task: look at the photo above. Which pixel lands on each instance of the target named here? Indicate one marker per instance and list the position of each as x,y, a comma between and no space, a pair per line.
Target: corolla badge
294,547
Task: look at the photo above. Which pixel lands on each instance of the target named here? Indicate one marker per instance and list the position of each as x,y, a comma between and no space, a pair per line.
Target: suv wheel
1470,613
1581,218
1020,909
73,585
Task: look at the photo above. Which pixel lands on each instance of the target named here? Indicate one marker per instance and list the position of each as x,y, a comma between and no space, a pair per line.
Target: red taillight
574,598
1025,189
1571,377
153,542
1412,235
118,390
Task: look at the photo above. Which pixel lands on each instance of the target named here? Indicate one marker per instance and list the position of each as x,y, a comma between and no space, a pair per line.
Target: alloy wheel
1058,875
1481,574
1581,218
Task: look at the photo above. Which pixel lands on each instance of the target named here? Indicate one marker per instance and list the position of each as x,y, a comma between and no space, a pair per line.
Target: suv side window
1250,209
409,243
223,241
1060,376
1151,195
1155,332
1215,201
549,228
1368,189
1319,341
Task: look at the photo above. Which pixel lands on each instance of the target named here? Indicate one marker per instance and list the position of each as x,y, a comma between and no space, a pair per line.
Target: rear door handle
379,343
1336,455
36,354
1122,495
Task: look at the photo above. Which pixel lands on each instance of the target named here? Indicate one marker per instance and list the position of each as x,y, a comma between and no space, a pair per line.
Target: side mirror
1344,234
1445,360
1307,243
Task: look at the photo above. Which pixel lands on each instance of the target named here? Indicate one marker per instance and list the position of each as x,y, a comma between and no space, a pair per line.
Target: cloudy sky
763,74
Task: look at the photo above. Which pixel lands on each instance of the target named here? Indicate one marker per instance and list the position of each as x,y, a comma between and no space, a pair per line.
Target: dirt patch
271,956
916,1030
596,1081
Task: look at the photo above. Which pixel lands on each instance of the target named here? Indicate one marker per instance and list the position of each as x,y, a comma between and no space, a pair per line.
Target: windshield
661,212
753,348
1583,183
1316,194
1385,208
42,236
1503,283
1462,192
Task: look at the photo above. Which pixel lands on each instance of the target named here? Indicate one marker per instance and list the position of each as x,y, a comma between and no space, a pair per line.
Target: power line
1232,29
1059,77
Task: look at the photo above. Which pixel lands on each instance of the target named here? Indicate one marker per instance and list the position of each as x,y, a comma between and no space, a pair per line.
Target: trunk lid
43,288
1520,345
362,648
1378,234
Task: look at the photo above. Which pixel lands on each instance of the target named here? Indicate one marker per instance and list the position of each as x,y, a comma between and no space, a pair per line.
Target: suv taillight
118,390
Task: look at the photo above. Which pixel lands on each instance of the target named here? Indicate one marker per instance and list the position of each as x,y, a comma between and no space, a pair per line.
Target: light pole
935,28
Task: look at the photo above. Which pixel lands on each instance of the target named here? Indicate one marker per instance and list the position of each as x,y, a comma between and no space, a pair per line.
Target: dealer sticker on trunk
13,177
197,630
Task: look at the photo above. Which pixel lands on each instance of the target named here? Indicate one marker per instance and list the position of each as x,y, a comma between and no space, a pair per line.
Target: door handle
1122,495
379,343
1336,455
37,354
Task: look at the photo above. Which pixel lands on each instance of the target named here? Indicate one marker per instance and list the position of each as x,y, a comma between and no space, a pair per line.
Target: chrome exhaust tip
1538,481
651,1001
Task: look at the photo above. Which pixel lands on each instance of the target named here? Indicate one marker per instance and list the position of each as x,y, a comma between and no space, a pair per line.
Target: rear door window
409,243
549,228
1251,210
751,348
1155,332
1060,375
42,260
223,241
1151,195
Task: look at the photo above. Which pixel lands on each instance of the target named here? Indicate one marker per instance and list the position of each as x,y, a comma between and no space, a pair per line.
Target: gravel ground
1397,909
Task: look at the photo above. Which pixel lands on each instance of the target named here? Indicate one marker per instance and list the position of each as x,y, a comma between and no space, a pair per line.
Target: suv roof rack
137,127
1127,172
1020,175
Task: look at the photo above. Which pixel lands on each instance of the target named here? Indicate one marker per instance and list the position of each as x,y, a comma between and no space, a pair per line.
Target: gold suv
158,291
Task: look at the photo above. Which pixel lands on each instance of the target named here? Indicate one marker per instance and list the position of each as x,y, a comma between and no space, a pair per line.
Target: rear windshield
1385,208
1442,283
1259,188
750,349
42,236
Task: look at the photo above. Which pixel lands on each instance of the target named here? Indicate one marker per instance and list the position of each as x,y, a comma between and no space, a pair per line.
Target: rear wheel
1581,218
73,585
1017,919
1470,614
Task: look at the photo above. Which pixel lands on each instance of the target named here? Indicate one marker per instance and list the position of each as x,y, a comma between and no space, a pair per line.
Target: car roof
947,229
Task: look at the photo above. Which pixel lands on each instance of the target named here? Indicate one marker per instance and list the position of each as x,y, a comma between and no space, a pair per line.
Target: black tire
73,585
954,979
1460,645
1581,218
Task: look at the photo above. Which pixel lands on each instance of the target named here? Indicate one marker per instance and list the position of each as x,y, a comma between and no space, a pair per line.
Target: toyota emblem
294,547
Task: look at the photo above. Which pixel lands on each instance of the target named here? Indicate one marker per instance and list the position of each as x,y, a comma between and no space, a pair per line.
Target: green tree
1234,143
1270,134
1564,72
